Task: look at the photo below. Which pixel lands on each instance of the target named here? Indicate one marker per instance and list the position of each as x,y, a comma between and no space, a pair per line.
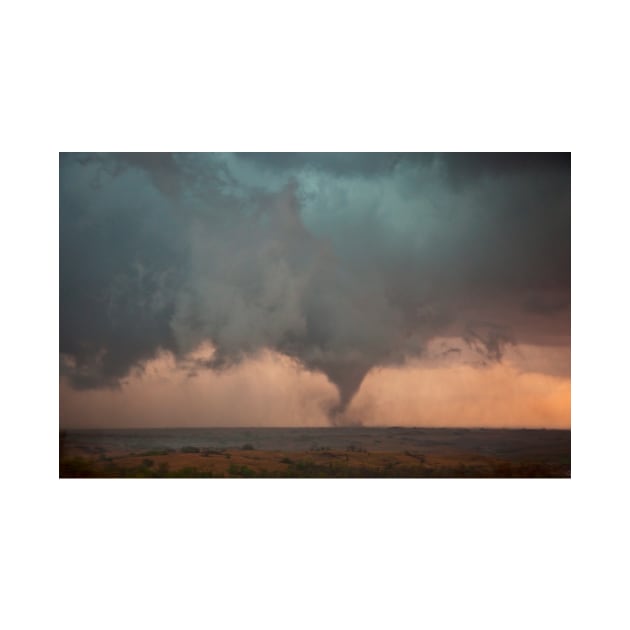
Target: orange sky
531,387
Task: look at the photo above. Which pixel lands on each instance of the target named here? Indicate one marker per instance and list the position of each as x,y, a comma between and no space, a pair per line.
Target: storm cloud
342,262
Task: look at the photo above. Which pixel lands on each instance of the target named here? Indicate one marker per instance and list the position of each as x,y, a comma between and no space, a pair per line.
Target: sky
314,289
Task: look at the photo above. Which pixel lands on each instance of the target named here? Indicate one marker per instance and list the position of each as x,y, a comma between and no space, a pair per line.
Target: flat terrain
334,452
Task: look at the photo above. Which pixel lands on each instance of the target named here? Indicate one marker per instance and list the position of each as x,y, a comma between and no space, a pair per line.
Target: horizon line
389,426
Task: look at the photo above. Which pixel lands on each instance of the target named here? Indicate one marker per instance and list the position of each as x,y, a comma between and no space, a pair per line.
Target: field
353,452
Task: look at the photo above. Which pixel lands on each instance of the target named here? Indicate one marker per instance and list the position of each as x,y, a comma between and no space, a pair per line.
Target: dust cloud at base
464,396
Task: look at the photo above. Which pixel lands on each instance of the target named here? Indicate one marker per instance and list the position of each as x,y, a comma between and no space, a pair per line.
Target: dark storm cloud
339,163
459,166
488,339
464,166
343,261
121,258
542,304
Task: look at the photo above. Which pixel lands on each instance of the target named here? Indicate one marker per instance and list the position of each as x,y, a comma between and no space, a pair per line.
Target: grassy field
351,462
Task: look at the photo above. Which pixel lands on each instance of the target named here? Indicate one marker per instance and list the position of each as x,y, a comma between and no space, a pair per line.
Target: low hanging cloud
341,263
529,388
169,393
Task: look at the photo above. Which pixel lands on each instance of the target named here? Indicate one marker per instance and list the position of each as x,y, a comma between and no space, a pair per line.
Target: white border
343,76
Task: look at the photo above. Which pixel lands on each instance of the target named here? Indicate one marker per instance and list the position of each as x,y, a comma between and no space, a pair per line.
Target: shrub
353,448
247,447
419,456
187,472
76,467
189,449
206,451
240,471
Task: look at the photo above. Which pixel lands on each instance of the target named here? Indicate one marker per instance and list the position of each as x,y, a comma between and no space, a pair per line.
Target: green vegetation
79,467
334,467
240,471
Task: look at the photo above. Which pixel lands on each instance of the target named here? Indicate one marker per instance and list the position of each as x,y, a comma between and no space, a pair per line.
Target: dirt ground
350,462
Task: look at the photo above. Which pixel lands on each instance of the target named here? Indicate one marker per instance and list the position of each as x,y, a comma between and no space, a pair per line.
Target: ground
455,454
